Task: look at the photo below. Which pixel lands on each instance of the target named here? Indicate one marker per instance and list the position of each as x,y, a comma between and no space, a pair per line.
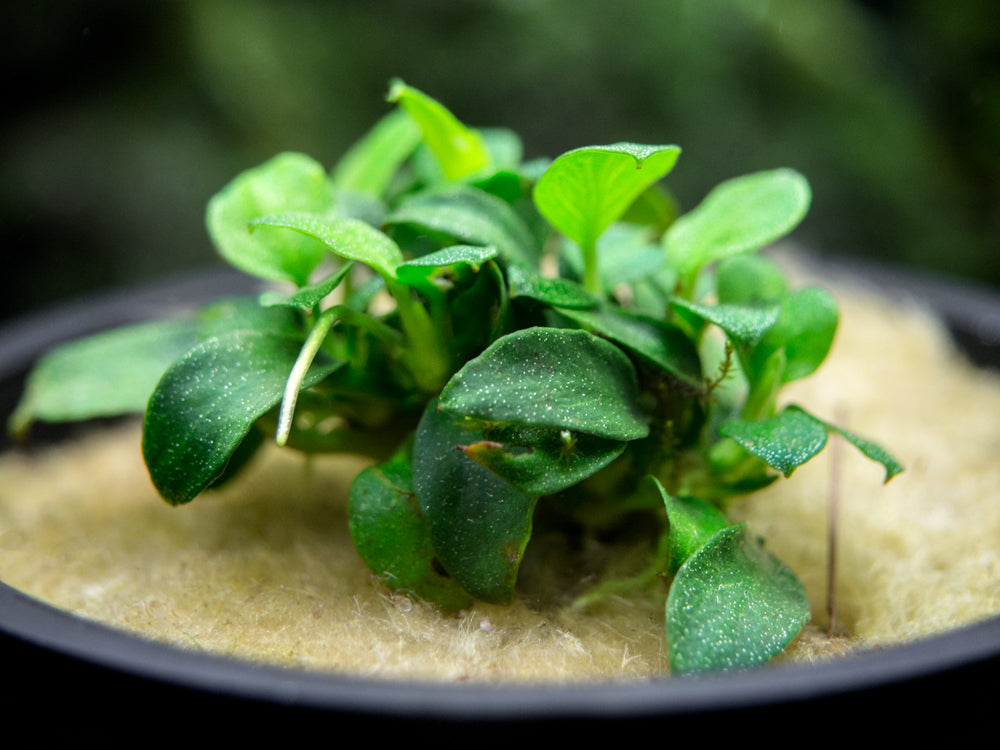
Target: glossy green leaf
433,263
871,450
103,375
744,325
369,165
392,537
733,605
805,328
551,377
739,216
208,400
306,298
472,217
543,461
561,293
659,343
784,442
287,183
351,239
692,523
479,524
461,151
585,190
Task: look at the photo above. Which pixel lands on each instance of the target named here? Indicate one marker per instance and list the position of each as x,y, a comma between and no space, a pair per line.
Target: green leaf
351,239
692,523
739,216
805,327
542,461
370,164
306,298
392,537
208,400
551,377
461,151
287,183
433,264
479,524
472,217
744,325
659,343
246,313
871,450
561,293
733,605
104,375
784,442
585,190
749,280
625,254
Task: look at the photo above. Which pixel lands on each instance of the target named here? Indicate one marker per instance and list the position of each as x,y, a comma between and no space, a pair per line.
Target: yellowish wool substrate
265,569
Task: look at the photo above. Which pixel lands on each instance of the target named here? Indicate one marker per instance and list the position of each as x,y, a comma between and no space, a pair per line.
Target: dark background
122,118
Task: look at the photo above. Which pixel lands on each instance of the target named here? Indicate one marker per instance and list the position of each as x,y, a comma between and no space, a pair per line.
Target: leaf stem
302,364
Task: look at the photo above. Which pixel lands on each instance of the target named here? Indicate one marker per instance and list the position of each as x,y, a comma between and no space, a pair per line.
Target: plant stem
305,359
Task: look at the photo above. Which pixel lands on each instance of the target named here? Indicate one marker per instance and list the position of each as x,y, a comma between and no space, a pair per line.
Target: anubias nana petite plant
497,334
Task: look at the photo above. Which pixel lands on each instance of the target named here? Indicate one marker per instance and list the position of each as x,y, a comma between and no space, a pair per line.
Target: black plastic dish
53,658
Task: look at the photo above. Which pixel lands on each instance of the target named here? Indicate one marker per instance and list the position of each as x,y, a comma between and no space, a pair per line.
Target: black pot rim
28,623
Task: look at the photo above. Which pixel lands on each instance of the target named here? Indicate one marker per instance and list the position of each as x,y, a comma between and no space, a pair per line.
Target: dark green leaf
287,183
550,377
473,217
692,523
784,442
392,537
370,164
585,190
560,293
659,343
743,325
541,461
307,297
871,450
479,523
104,375
208,400
739,216
733,605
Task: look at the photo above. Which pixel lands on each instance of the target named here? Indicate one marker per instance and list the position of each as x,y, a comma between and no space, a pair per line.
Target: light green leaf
392,536
733,605
351,239
287,183
805,328
473,217
479,524
585,190
370,164
104,375
739,216
749,280
461,151
550,377
208,400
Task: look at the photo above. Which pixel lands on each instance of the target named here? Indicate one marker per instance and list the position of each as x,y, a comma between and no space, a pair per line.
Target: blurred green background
122,117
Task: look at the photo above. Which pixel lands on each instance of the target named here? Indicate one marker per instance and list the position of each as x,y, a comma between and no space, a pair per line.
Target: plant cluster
496,333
